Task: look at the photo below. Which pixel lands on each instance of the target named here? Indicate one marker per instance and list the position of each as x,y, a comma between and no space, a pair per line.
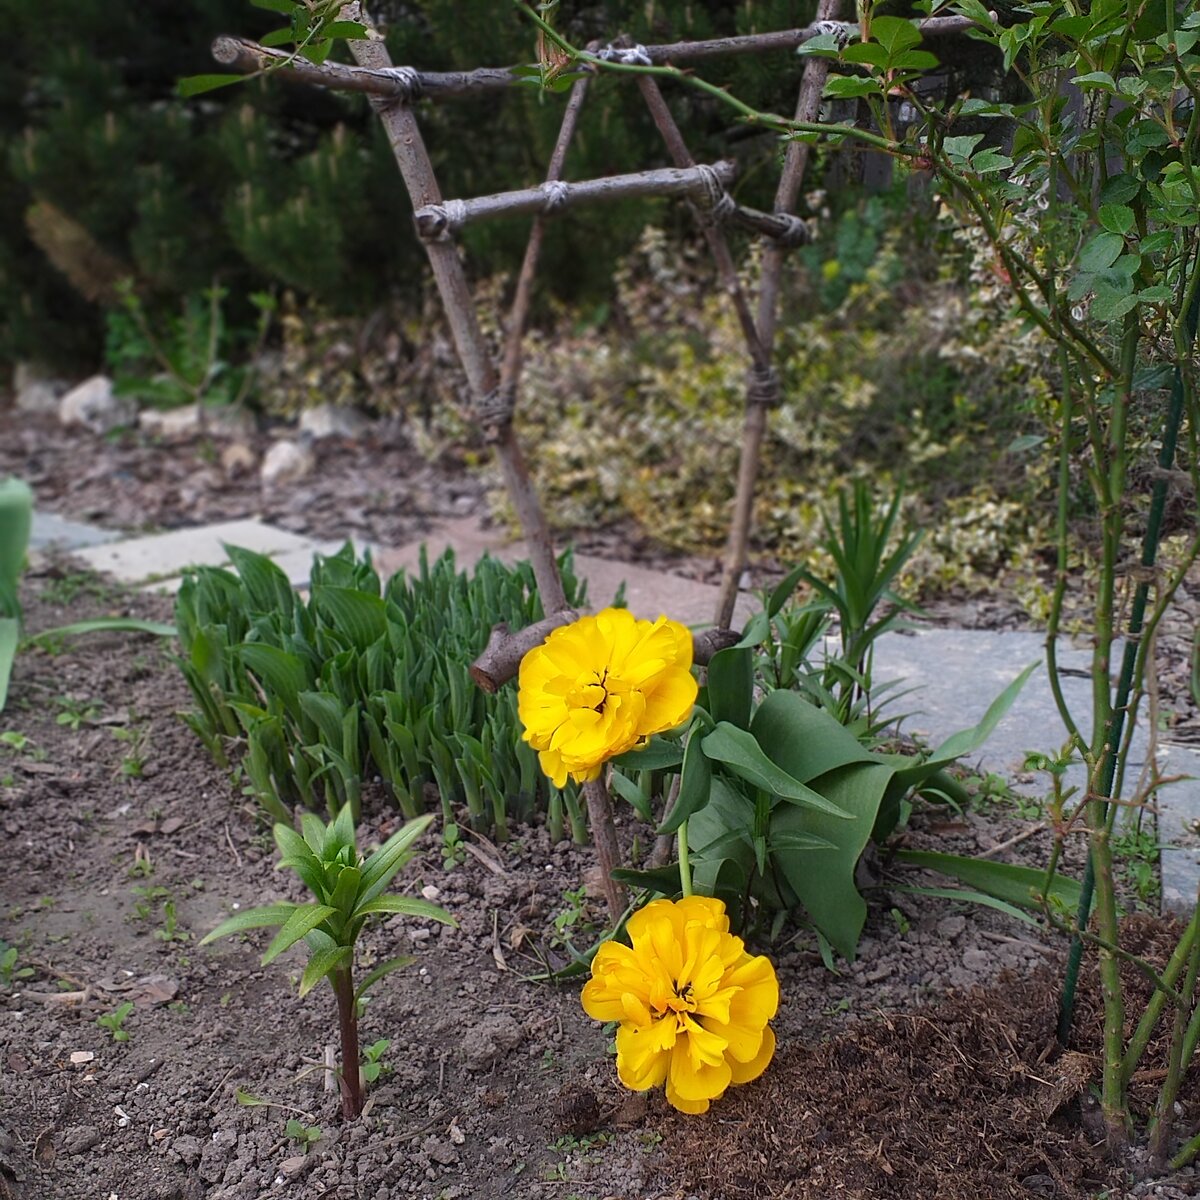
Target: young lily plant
347,891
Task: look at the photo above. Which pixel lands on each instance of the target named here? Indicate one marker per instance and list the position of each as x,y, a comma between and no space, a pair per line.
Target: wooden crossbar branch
444,220
409,85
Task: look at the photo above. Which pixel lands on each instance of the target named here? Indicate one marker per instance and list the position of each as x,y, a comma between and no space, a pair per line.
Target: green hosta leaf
325,711
303,919
282,674
323,962
731,685
660,754
110,625
409,906
269,588
1005,881
739,751
385,968
358,616
695,785
252,918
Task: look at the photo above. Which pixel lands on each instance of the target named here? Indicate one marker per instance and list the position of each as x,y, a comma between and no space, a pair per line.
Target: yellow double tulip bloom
602,685
692,1003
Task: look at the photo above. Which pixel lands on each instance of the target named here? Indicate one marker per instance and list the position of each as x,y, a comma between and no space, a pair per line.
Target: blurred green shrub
266,185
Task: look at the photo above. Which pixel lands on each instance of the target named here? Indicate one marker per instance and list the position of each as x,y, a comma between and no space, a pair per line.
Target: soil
925,1069
919,1071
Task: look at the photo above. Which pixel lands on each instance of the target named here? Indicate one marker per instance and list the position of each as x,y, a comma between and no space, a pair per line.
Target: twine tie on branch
840,31
762,386
795,231
630,56
494,411
720,203
440,222
557,195
409,88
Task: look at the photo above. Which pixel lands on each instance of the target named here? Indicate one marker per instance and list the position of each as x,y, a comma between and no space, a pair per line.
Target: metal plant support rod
808,108
443,220
409,84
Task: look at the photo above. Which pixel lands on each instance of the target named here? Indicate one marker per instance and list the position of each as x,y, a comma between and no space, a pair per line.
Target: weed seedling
14,740
10,973
114,1021
453,852
373,1065
143,908
901,922
75,712
170,932
306,1135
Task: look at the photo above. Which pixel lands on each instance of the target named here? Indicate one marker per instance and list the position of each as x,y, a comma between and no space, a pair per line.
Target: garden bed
127,844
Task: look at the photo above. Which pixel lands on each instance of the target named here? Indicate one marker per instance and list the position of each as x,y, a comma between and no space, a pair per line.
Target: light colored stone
285,462
1179,827
35,390
332,420
166,555
170,424
93,405
178,424
238,459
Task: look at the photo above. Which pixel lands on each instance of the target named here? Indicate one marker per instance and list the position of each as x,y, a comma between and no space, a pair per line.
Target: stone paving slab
1178,822
295,564
163,556
648,593
50,531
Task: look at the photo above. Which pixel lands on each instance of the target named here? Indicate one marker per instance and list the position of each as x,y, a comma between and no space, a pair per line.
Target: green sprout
347,890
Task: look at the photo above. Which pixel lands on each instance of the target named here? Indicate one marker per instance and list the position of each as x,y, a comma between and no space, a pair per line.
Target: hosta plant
347,891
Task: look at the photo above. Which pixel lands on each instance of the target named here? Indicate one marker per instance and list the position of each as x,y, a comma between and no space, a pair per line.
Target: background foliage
108,173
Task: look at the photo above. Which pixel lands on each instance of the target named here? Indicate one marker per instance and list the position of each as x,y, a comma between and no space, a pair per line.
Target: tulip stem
685,866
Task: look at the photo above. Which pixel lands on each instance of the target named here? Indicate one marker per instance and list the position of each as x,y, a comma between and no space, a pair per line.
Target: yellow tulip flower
602,685
693,1005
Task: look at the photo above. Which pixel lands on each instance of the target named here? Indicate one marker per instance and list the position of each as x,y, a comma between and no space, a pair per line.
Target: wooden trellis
394,91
